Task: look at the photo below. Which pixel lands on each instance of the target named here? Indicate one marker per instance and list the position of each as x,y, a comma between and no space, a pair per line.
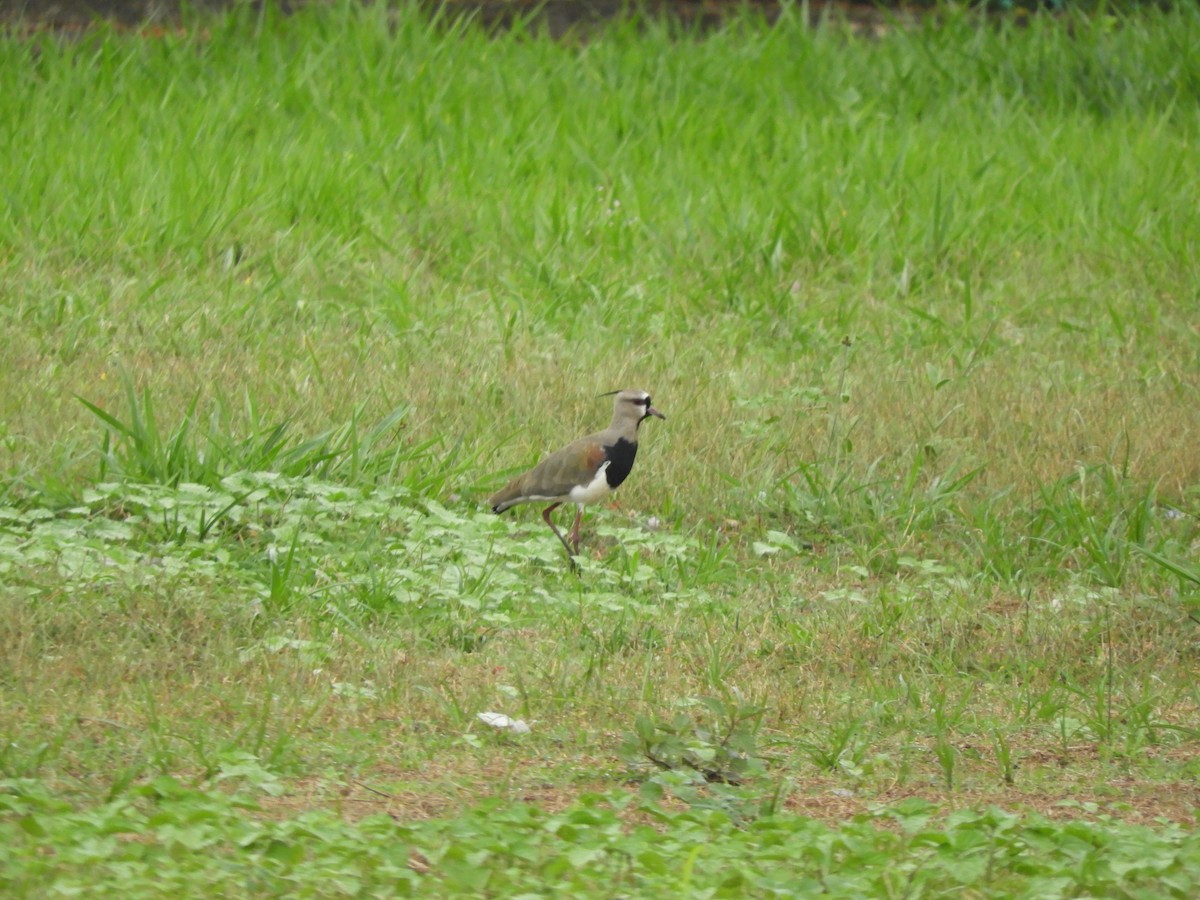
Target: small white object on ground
500,720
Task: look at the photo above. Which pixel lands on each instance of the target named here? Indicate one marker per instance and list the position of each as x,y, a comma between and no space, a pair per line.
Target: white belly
596,489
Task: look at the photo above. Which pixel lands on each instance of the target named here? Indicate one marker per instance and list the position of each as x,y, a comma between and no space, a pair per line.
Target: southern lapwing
583,472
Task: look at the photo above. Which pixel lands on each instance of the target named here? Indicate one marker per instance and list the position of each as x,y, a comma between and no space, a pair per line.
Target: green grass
284,299
170,839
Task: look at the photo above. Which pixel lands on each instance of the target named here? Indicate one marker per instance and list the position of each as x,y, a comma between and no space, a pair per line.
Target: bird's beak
651,411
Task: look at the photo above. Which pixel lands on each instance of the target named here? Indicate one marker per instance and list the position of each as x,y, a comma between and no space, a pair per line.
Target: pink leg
558,534
575,528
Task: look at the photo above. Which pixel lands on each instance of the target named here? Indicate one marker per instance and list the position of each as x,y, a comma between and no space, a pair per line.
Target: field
902,598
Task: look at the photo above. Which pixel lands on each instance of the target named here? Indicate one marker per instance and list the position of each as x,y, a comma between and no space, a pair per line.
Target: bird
585,471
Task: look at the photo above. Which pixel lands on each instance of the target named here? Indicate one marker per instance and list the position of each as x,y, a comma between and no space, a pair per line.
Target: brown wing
553,478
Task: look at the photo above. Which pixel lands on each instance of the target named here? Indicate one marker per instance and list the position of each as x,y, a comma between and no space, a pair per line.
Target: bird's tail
506,497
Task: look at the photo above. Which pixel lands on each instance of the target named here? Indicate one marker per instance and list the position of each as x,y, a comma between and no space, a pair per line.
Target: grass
916,544
591,849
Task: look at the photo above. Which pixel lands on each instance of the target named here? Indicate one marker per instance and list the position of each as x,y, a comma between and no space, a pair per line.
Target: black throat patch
620,458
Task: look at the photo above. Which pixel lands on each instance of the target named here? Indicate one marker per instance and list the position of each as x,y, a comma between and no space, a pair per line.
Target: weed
721,747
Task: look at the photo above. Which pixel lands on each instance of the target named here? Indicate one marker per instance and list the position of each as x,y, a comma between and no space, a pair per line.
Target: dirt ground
409,795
